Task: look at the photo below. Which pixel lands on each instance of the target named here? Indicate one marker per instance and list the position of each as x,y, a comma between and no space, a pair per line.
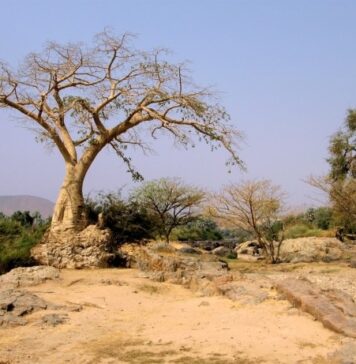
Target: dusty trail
126,318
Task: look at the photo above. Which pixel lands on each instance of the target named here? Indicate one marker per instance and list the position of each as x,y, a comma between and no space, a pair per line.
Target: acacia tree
170,203
81,99
255,207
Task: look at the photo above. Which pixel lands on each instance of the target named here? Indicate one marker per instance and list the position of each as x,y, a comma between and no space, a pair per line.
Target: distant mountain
10,204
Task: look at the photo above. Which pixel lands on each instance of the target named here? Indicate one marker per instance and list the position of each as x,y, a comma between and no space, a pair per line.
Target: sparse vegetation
18,234
253,206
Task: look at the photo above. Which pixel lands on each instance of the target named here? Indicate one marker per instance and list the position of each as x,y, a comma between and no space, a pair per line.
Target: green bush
128,221
302,231
16,241
199,229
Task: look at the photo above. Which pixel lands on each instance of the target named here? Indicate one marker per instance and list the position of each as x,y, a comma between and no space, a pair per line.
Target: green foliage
313,222
342,150
301,231
199,229
127,220
321,217
23,217
273,230
17,238
170,202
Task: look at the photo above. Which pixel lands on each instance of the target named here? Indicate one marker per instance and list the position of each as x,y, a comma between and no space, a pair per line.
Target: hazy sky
285,70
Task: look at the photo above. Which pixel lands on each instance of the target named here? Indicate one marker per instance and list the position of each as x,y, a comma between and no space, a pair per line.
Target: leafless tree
81,99
255,207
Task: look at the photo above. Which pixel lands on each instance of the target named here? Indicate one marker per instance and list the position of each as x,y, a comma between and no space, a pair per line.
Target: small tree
170,203
340,183
342,149
342,195
254,207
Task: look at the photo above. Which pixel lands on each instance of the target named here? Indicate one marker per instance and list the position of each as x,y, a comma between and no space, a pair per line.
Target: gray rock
335,309
251,248
221,251
188,250
54,319
29,276
353,263
311,250
14,305
195,272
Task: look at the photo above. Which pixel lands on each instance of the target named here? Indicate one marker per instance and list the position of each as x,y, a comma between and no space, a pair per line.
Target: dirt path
126,318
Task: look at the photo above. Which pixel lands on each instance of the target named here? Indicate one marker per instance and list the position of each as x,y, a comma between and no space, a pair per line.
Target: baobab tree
81,99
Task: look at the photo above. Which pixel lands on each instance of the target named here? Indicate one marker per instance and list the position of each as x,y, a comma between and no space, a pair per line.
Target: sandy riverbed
126,318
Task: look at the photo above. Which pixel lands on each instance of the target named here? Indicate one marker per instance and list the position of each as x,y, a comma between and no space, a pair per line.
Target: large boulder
210,245
311,250
224,252
250,247
89,248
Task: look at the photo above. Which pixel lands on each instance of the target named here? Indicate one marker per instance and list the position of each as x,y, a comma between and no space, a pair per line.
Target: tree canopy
170,202
82,98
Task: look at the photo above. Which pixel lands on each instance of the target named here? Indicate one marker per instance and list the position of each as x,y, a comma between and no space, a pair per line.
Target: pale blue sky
286,71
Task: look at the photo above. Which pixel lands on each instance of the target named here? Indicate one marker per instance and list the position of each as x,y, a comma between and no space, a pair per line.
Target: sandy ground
126,318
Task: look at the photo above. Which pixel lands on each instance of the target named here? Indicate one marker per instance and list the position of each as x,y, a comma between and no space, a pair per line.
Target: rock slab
29,276
334,308
14,305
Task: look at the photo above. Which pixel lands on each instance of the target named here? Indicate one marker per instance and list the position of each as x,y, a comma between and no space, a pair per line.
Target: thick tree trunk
69,213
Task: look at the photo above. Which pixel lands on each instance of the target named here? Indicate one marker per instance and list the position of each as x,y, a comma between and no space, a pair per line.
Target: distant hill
10,204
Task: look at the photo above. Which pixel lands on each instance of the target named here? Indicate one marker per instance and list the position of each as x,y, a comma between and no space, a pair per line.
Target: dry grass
151,289
140,352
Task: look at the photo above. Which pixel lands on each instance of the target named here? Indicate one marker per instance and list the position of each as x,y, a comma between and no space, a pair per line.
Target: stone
251,248
221,251
28,276
89,248
54,319
209,245
313,249
15,304
188,250
335,309
192,271
353,263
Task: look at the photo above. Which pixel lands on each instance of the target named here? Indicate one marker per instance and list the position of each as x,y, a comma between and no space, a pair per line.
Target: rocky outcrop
92,247
311,250
223,252
16,302
249,251
29,276
334,308
209,245
14,305
201,273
